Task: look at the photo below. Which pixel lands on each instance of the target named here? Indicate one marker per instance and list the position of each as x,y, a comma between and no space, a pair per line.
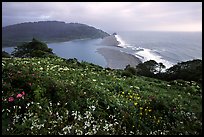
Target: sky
110,16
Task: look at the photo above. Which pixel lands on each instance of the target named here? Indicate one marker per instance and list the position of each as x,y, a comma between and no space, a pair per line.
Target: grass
59,96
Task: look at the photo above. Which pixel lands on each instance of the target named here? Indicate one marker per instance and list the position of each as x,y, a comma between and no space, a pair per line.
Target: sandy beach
118,60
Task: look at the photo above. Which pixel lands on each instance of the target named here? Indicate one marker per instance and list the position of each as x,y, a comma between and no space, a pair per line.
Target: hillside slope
49,31
57,96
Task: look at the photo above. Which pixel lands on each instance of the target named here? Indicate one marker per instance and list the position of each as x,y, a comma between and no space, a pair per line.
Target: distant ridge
48,31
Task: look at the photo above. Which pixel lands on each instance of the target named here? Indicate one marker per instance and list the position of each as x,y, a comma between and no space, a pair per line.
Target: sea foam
144,54
149,54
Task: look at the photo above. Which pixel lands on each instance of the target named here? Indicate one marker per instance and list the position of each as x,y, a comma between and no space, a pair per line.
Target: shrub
34,48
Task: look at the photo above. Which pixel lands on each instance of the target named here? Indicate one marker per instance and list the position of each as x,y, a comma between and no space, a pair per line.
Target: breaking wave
144,54
147,54
121,41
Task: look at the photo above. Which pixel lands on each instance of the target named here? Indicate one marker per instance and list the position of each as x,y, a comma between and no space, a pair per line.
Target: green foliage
189,71
129,71
59,96
32,49
148,68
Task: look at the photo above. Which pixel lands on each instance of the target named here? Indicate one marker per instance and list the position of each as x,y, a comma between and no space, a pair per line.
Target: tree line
189,70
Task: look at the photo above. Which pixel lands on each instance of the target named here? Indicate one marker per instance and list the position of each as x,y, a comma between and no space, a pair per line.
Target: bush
130,69
32,49
148,68
189,71
127,74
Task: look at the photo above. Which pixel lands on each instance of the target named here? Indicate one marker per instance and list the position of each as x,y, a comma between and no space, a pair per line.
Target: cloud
110,16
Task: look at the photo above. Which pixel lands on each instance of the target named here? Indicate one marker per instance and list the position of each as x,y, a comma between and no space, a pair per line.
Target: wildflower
30,84
92,107
19,96
19,72
11,99
138,88
23,93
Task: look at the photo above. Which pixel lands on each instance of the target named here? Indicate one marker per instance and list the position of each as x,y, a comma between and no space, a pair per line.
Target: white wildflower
92,108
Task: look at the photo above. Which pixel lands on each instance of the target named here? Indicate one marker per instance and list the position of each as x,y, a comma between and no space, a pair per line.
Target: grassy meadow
55,96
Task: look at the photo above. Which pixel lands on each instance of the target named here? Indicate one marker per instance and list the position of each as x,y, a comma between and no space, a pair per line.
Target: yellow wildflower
137,94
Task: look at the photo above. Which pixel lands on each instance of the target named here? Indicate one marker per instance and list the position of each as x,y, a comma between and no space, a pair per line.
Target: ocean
168,48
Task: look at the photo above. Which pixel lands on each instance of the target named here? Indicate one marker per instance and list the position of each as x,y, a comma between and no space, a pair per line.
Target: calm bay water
83,50
166,47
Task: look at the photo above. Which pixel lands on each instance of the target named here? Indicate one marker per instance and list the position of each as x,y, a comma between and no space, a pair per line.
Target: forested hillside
48,31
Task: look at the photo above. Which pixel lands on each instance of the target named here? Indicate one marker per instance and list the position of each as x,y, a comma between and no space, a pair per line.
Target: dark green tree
189,70
148,68
129,71
161,66
34,48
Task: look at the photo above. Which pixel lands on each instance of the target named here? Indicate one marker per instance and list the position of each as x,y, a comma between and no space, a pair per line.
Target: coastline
118,60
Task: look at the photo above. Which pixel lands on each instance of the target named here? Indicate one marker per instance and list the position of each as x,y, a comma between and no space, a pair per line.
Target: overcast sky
110,16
